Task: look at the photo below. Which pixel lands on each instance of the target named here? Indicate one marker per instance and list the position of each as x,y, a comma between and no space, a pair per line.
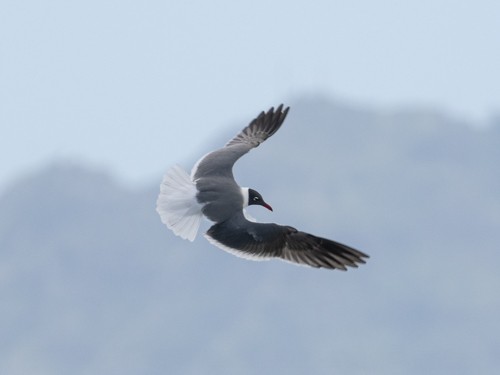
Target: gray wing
221,161
260,241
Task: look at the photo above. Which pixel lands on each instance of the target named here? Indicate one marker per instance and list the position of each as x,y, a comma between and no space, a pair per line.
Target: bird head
254,198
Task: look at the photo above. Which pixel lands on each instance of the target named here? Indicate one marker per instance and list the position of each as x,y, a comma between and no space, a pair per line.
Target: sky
136,86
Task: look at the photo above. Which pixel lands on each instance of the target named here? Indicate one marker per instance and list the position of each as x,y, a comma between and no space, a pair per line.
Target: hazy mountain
92,283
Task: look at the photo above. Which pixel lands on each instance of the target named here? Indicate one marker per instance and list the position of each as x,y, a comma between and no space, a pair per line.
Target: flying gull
212,191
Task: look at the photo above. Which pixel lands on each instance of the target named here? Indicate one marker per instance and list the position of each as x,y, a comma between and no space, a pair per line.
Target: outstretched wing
221,161
261,128
260,241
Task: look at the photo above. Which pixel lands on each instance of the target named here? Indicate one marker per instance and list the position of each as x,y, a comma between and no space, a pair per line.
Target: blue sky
137,86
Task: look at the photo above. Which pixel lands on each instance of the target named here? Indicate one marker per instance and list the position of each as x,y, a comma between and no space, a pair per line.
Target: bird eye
256,198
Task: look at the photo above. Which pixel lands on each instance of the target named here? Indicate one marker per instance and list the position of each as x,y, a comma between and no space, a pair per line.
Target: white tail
177,205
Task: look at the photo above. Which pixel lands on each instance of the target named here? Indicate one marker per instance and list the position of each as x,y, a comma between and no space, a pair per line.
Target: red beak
267,206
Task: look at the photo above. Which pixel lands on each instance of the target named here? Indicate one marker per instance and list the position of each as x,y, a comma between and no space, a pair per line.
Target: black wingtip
279,111
261,127
273,118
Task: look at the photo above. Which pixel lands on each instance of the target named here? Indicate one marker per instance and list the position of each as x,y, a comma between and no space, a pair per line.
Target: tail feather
177,205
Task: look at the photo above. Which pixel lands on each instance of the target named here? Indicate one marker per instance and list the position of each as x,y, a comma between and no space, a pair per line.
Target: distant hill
91,282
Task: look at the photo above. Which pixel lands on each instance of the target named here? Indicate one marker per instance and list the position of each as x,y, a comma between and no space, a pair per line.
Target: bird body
212,191
220,199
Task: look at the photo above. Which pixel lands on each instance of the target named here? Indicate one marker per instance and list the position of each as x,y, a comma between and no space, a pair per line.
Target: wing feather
220,162
265,241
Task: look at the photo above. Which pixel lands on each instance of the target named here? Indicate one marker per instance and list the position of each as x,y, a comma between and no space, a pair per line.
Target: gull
211,191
